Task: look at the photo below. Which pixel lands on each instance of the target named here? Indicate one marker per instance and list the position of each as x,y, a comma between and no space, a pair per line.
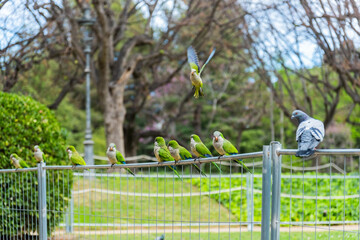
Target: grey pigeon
162,237
309,134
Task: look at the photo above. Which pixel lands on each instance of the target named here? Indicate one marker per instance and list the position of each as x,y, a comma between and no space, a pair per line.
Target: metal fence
316,198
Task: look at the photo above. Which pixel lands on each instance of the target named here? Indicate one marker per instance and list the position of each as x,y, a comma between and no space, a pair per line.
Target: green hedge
23,124
301,210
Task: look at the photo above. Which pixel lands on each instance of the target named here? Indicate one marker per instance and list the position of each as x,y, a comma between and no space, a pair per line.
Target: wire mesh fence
108,203
315,198
320,196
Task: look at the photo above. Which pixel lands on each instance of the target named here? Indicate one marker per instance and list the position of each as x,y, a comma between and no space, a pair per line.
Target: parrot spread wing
76,159
193,59
208,60
23,164
203,150
120,157
229,148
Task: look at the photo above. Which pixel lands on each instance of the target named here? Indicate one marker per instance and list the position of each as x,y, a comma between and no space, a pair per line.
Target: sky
14,17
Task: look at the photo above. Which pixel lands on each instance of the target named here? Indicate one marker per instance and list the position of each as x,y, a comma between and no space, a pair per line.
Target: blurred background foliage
250,87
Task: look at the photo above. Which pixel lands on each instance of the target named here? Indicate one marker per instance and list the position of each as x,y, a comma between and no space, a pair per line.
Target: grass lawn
105,207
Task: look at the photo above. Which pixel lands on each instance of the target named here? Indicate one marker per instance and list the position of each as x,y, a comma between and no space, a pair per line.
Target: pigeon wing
315,126
317,129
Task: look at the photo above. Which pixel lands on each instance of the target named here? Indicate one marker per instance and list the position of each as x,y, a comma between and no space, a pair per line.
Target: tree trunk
130,136
114,118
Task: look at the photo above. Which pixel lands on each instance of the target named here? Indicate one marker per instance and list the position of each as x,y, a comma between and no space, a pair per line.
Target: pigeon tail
304,153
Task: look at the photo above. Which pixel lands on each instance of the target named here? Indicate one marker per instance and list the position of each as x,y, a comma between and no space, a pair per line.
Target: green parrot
195,75
38,154
200,150
17,161
162,154
75,157
115,156
225,147
180,153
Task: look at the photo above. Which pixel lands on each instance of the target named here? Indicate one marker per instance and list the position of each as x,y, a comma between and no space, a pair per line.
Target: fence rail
284,196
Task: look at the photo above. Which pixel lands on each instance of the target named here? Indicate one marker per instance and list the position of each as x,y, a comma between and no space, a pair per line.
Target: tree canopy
271,58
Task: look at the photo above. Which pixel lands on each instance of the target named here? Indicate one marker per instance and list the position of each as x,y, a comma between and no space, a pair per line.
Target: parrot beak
216,139
111,148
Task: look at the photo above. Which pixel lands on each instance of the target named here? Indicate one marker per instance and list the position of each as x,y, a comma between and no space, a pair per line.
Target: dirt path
206,229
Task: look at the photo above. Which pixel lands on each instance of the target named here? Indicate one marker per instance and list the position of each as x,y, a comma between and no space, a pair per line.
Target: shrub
301,210
23,124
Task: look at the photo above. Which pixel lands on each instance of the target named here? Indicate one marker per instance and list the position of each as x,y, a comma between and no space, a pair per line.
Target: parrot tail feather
217,166
176,172
239,161
196,94
201,92
129,171
199,170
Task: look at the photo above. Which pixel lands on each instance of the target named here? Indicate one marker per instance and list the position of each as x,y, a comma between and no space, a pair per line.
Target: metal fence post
69,218
250,201
42,201
71,214
276,190
266,188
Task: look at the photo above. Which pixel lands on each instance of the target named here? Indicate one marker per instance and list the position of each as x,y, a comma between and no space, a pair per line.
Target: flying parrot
162,154
225,147
195,75
75,157
309,134
17,161
199,149
115,156
38,154
180,153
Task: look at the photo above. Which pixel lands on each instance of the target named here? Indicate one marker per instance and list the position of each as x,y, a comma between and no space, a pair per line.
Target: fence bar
160,164
322,151
18,170
42,201
276,190
70,216
250,200
266,188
